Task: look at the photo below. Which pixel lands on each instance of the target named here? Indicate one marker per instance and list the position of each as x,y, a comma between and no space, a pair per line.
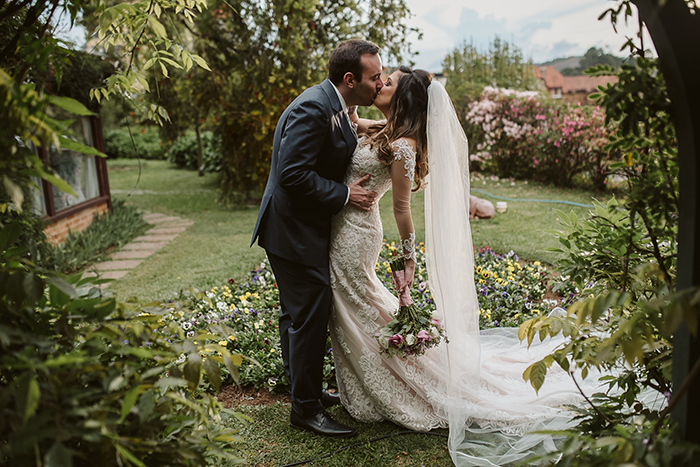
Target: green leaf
63,286
9,234
200,61
232,369
193,369
213,372
129,455
140,352
33,286
71,105
157,27
130,399
58,456
72,145
170,382
536,373
28,396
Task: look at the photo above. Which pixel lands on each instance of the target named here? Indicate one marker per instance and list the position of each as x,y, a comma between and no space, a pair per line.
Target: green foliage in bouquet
86,380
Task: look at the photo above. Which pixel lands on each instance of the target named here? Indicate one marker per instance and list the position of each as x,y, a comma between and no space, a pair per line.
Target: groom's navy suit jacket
312,148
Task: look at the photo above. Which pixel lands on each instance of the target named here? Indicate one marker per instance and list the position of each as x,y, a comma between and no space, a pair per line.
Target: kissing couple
320,226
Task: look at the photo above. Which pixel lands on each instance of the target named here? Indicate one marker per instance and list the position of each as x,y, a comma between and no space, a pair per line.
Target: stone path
166,228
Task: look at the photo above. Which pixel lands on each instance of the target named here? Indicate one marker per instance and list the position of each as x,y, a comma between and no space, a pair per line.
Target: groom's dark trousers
312,148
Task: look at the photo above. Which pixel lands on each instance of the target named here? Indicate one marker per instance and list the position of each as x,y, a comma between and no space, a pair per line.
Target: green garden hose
533,200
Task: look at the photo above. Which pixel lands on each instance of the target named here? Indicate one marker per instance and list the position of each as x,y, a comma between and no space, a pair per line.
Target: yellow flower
247,295
478,270
232,338
485,274
628,159
272,350
255,295
241,297
537,263
223,343
510,278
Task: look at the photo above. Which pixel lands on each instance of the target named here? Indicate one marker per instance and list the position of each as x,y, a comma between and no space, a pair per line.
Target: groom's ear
349,79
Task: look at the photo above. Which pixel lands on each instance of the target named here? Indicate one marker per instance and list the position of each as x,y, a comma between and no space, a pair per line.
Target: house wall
58,231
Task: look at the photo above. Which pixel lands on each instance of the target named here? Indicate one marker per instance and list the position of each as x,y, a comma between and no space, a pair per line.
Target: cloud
542,29
480,31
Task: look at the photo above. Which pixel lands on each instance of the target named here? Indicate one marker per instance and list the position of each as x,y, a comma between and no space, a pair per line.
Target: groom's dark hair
346,58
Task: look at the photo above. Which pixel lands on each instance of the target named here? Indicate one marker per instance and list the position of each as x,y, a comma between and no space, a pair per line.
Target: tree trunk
200,152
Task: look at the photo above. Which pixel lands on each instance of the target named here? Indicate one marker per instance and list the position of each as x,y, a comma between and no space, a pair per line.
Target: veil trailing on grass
491,410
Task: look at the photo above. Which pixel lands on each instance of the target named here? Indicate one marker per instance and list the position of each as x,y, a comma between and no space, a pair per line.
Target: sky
542,29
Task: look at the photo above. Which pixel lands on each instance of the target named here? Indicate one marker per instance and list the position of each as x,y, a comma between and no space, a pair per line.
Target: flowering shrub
509,293
519,134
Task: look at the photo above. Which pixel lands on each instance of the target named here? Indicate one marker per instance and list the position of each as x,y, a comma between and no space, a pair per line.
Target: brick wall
58,231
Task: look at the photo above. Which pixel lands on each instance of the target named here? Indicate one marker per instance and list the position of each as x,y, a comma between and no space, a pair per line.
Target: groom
313,144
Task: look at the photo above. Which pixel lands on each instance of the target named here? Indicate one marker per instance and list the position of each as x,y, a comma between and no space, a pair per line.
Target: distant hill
574,66
561,63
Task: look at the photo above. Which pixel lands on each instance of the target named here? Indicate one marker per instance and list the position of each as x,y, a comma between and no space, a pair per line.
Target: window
85,174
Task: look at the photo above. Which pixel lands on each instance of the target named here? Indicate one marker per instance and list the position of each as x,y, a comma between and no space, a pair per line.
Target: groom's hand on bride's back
359,197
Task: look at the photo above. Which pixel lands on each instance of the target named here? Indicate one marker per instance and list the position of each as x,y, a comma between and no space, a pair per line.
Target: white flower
186,325
221,306
181,358
210,295
410,339
190,333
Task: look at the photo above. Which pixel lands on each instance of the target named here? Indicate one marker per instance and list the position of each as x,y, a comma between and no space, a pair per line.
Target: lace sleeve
402,182
404,151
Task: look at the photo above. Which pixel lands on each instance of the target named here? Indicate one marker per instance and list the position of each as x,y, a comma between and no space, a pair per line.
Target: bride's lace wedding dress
486,399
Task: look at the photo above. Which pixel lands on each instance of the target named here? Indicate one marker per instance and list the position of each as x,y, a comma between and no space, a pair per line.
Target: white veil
490,409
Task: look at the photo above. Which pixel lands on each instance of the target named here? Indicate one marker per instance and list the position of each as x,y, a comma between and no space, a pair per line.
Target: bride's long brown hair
408,112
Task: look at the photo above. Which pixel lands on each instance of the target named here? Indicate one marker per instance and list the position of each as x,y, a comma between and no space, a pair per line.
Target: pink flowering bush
521,135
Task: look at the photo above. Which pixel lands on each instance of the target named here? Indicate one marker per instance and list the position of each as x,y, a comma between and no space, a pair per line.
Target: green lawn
271,442
216,248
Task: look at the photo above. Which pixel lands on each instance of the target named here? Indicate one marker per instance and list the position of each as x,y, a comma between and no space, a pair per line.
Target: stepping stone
114,274
118,265
144,246
152,216
133,254
162,220
155,238
167,230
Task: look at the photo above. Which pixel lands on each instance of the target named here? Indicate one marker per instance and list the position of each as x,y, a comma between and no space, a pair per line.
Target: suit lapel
338,114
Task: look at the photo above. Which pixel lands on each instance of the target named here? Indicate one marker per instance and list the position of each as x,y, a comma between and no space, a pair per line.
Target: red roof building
571,88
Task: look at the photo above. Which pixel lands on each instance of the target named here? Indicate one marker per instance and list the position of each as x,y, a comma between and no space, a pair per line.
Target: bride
473,385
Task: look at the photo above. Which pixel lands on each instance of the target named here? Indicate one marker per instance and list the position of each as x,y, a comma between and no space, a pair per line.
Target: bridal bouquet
413,329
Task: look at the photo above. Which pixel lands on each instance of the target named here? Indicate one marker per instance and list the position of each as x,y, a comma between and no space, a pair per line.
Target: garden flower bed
244,315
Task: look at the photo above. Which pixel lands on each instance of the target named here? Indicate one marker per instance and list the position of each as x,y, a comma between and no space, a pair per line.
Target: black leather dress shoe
329,399
321,424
